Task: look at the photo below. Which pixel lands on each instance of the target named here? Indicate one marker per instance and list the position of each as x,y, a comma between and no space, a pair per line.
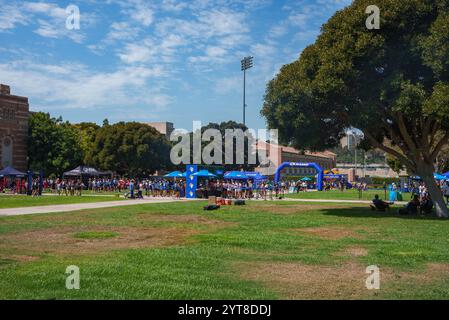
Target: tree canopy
232,125
125,148
130,149
53,145
391,83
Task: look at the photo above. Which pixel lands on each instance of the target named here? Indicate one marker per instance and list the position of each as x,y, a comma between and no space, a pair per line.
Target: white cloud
49,9
207,24
213,51
228,85
140,11
119,31
134,52
73,86
299,19
143,14
49,17
174,5
150,50
10,17
46,29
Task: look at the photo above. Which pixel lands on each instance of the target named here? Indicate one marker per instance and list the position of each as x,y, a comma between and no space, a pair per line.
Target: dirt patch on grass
302,282
89,238
331,233
291,209
62,240
18,258
185,219
432,272
296,281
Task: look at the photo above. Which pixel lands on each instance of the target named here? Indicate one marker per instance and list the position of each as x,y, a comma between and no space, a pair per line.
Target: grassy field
265,250
25,201
346,195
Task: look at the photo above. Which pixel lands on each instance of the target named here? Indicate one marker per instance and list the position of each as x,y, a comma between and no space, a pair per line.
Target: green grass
206,263
95,235
25,201
345,195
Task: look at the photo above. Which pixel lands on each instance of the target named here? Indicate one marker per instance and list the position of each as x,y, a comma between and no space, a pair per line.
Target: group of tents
232,175
11,172
85,171
81,171
437,176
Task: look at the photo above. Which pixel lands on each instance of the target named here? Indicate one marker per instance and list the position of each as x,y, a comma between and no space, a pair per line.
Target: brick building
165,128
278,154
14,112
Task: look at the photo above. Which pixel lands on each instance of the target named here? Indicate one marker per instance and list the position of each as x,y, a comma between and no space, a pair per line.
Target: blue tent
204,174
333,176
436,176
236,175
11,172
257,176
174,174
306,179
84,171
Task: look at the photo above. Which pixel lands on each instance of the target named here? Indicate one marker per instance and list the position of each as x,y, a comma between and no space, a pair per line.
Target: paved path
124,203
80,206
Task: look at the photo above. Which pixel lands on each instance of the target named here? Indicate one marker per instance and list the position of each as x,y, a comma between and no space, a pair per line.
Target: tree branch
396,138
391,151
407,139
433,134
439,146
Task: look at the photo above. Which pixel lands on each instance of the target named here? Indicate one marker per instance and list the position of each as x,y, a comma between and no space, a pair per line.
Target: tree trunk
426,172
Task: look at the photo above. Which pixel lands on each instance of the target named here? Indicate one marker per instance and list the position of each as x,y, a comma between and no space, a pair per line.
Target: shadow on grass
358,212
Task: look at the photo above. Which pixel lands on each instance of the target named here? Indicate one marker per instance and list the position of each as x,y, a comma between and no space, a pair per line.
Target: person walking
131,189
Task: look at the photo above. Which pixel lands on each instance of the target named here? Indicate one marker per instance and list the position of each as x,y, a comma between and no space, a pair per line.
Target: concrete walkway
80,206
124,203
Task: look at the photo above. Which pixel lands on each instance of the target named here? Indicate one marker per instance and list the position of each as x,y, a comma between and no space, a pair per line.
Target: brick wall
14,112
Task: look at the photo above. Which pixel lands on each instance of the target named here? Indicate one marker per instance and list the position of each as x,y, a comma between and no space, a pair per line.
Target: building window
8,114
6,154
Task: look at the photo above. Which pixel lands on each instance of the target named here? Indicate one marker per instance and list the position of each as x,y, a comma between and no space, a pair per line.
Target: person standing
445,190
131,189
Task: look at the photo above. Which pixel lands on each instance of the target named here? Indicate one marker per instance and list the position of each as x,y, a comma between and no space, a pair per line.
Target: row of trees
130,149
125,148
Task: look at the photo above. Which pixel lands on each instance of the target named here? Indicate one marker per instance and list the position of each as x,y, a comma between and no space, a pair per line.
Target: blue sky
157,60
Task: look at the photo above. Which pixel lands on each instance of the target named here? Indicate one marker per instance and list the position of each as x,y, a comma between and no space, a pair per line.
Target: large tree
87,133
232,125
131,148
391,83
53,144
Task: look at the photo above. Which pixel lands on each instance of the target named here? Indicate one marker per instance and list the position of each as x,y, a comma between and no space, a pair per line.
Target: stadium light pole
247,63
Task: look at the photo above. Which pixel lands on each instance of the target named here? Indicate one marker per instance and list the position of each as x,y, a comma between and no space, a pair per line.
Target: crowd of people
161,187
421,201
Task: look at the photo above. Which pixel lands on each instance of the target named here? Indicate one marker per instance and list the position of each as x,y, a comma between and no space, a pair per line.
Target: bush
380,181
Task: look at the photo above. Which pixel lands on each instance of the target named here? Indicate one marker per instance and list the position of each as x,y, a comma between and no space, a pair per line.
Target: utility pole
247,63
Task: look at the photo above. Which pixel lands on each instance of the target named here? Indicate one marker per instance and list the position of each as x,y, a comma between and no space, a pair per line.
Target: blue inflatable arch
320,172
